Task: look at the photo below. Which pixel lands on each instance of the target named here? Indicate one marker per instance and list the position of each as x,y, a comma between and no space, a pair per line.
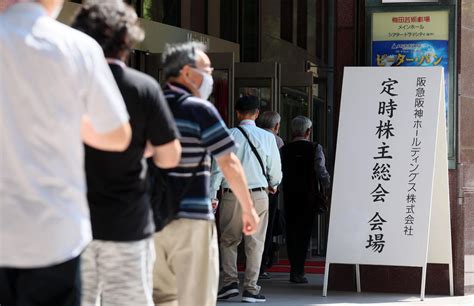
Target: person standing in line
117,265
56,91
270,121
303,165
258,153
187,260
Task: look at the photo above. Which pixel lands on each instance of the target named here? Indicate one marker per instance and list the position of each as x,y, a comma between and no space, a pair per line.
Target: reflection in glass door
264,95
220,93
260,80
293,102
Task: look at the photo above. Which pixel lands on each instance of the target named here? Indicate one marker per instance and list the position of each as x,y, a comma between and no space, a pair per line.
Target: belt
251,190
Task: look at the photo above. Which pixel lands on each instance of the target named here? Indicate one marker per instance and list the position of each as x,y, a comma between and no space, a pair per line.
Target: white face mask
205,89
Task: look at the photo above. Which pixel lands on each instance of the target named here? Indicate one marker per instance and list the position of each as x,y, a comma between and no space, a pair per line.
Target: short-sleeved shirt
119,203
202,132
265,145
50,76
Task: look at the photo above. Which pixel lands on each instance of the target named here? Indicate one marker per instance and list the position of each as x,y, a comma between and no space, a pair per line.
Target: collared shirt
115,61
203,133
51,75
319,164
266,146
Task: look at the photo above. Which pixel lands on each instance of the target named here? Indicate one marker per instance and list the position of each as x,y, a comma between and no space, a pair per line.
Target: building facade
292,54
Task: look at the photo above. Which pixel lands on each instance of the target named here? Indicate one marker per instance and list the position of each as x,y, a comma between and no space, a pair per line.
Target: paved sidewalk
279,291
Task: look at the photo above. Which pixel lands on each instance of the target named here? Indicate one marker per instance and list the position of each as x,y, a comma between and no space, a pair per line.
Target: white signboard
391,173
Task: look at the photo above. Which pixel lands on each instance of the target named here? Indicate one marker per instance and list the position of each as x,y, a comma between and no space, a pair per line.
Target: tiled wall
466,138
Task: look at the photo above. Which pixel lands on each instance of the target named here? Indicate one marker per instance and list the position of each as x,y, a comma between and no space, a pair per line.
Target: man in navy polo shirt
186,268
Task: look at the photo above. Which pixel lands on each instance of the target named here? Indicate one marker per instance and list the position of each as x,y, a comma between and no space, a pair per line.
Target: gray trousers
117,273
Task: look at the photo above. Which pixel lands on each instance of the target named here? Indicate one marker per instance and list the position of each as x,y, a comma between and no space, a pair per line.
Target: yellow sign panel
428,25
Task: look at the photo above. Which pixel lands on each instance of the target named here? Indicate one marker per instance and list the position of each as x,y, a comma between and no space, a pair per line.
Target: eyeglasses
208,70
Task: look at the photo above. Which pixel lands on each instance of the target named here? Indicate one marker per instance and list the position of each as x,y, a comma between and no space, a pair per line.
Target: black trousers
299,214
267,251
54,285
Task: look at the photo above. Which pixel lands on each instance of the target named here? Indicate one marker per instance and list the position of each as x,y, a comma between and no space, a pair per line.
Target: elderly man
187,260
270,121
303,165
259,155
52,76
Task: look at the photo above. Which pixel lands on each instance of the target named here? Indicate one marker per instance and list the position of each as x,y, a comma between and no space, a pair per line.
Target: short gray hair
176,56
299,125
269,119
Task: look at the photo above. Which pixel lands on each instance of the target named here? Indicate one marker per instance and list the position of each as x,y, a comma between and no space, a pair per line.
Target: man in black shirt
303,165
117,265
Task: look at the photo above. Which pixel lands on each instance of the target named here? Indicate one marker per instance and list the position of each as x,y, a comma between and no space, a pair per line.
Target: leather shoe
298,279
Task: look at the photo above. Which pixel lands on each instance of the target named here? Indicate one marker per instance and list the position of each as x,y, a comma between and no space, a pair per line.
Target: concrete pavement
279,291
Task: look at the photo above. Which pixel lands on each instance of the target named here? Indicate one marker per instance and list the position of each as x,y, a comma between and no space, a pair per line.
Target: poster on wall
416,39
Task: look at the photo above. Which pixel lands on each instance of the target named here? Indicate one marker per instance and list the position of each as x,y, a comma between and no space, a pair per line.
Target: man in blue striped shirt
187,260
262,167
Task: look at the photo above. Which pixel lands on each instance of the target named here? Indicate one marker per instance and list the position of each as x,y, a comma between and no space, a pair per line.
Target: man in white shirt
262,167
55,86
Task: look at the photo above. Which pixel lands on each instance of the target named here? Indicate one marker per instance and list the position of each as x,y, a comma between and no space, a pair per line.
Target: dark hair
248,112
247,105
176,56
112,23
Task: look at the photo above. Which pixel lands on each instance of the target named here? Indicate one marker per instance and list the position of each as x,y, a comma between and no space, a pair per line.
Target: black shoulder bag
254,150
164,198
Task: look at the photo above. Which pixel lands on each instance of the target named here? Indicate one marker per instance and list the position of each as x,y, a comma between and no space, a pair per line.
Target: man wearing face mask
187,261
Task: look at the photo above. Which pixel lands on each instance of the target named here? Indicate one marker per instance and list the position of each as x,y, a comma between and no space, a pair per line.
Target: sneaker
264,275
248,297
229,291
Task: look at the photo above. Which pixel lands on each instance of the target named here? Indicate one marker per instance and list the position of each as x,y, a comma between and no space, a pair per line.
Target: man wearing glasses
187,261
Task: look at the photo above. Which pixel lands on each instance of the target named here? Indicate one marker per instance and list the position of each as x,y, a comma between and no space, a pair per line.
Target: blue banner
413,53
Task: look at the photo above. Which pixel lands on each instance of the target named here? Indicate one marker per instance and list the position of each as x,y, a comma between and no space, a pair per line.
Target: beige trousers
186,271
230,224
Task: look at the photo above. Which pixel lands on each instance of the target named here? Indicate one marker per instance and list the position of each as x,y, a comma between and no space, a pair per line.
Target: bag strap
201,162
194,175
254,150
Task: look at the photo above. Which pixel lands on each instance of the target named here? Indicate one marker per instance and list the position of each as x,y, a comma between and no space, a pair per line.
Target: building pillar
465,241
186,14
214,18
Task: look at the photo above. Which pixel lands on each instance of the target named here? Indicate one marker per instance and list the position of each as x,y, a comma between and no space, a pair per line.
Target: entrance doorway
296,99
258,79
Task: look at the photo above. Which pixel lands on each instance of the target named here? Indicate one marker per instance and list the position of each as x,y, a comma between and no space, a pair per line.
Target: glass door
223,76
260,80
296,100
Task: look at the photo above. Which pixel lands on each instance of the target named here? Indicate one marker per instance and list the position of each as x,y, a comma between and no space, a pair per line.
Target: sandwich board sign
390,199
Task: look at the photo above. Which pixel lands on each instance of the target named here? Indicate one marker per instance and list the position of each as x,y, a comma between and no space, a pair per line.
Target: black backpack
164,198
